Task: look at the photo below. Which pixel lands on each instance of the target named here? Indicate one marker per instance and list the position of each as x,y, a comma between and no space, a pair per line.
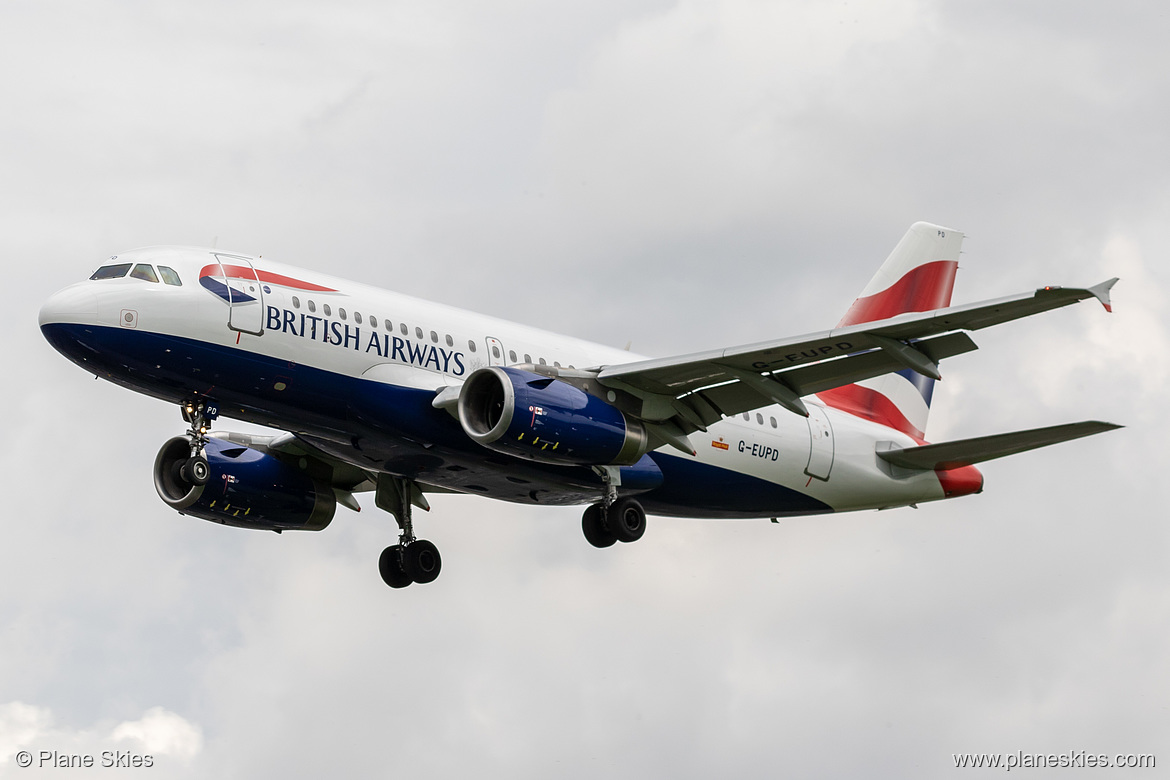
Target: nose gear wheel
199,413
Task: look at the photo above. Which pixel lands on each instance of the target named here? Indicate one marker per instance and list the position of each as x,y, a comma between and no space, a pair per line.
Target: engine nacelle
247,488
546,420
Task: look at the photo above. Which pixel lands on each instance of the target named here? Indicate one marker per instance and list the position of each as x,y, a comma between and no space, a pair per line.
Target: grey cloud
684,175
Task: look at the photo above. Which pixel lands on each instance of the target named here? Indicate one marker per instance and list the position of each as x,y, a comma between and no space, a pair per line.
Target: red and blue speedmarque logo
217,278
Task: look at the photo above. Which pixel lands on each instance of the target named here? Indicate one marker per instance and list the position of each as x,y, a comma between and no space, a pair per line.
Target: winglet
1101,293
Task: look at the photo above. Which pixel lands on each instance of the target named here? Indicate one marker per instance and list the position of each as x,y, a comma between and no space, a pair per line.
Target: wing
678,395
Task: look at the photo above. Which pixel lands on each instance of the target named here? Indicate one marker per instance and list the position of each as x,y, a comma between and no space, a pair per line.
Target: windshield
143,271
111,271
169,276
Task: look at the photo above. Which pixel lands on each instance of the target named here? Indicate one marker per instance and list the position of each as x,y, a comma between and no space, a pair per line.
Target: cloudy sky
678,175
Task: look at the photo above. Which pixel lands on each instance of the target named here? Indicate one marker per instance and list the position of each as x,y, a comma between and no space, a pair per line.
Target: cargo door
820,443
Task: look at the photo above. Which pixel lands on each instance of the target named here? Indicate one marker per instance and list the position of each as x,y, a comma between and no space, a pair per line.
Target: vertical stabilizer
919,275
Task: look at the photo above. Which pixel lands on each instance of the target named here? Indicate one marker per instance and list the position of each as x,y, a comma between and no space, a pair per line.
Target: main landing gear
199,414
614,519
411,560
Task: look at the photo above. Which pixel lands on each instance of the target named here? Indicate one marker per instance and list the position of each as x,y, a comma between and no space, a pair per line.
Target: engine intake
543,419
247,488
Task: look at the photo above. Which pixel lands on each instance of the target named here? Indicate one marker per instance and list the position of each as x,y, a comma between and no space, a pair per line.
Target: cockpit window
111,271
144,272
169,276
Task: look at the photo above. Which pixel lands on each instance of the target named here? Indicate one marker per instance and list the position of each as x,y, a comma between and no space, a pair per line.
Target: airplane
375,391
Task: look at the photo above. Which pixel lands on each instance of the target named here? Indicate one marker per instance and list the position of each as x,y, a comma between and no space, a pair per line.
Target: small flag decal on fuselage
721,445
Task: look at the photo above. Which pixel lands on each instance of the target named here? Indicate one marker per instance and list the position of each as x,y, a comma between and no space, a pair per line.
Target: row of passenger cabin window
143,271
373,322
527,358
759,418
418,332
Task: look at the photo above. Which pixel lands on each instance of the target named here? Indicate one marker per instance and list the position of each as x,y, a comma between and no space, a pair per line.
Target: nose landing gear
200,415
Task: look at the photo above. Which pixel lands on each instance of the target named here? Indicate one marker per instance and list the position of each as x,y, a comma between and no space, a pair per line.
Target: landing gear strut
200,415
614,519
411,560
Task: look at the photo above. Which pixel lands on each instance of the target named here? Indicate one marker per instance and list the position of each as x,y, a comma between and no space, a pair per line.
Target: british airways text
347,336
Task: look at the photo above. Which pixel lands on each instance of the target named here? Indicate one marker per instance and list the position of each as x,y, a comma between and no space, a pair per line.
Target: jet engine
543,419
245,488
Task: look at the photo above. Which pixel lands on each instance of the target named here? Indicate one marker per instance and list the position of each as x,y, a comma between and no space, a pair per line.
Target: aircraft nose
74,304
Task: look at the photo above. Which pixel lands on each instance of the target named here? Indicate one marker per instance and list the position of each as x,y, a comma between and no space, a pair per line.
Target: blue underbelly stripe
373,424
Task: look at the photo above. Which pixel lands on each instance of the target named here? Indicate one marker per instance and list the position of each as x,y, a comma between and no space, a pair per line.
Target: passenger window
341,313
325,308
404,329
296,302
312,306
357,317
542,361
111,271
555,363
747,417
434,337
169,276
773,419
512,355
496,351
471,345
144,272
450,341
759,419
527,358
418,332
373,321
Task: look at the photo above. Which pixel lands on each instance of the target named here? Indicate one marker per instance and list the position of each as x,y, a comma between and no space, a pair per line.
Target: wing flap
967,452
738,397
855,368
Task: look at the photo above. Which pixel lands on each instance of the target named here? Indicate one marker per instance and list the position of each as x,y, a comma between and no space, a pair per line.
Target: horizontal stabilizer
967,452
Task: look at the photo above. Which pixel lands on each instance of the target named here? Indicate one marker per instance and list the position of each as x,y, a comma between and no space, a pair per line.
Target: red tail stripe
871,405
925,288
243,272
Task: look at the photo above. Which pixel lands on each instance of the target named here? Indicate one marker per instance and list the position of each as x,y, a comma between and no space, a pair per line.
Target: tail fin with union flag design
919,275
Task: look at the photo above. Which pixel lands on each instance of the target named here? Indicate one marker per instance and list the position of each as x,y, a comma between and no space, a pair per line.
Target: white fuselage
356,333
